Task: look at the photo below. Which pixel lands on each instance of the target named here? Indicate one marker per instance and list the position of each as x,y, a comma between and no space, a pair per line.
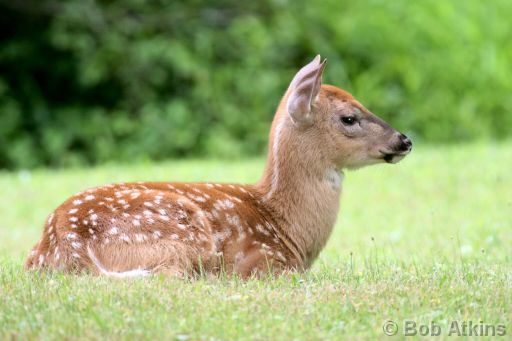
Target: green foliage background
84,81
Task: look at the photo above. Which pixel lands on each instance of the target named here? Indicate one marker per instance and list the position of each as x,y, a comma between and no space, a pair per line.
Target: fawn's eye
348,120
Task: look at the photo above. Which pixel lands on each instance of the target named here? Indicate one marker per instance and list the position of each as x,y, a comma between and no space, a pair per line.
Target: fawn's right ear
304,89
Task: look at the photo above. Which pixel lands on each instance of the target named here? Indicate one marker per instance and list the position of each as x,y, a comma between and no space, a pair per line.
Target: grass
426,240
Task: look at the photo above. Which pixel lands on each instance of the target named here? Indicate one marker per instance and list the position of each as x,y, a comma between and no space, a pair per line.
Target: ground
428,239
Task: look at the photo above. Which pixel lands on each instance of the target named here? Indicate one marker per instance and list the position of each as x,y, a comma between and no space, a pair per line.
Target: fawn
280,224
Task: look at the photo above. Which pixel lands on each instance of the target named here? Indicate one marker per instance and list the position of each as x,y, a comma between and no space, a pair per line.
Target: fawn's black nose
405,143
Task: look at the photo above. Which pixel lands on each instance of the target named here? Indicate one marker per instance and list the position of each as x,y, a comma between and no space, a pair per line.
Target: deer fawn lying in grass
279,224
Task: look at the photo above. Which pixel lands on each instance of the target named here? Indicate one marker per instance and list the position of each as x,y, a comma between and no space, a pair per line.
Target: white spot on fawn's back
71,235
262,230
221,236
228,203
164,217
140,237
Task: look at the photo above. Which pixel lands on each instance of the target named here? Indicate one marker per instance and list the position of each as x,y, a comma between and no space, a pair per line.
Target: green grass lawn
429,239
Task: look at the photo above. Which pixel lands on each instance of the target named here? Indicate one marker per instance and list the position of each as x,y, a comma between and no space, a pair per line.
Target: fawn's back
173,228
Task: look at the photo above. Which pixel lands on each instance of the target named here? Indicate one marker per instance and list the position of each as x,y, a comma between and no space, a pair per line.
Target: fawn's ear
304,89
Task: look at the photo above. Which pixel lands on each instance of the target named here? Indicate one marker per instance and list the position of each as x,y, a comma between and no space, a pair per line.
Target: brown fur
279,224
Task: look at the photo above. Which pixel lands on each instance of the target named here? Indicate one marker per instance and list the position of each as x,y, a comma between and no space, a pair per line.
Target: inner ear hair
304,88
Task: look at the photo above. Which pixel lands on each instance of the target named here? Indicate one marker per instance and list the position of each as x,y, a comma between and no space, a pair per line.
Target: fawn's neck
302,189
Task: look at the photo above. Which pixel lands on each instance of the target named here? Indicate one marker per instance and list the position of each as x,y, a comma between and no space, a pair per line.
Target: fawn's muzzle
398,151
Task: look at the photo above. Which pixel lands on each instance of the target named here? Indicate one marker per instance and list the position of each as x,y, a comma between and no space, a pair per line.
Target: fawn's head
336,126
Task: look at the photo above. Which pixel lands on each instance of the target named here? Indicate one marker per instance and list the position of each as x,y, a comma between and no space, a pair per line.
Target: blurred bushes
85,81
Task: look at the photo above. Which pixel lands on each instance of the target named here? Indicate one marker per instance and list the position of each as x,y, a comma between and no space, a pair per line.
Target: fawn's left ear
304,89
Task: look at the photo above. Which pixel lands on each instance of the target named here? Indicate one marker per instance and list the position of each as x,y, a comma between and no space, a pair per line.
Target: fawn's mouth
393,157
